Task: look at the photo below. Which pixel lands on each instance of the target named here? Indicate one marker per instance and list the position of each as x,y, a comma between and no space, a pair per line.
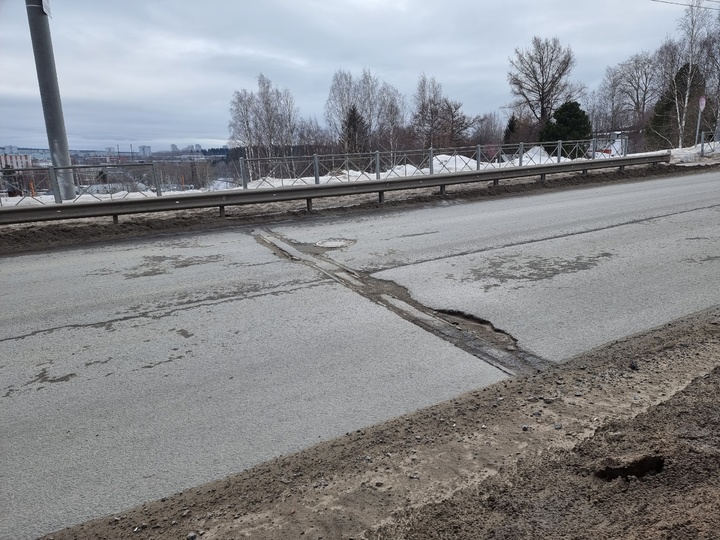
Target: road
134,370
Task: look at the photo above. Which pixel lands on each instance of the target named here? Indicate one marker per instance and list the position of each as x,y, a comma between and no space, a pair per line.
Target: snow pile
223,184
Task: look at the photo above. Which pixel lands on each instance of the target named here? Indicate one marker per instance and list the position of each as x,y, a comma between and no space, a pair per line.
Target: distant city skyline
164,72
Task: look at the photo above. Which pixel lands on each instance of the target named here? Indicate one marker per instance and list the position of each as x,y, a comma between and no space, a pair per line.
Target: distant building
198,148
10,150
16,161
145,151
174,148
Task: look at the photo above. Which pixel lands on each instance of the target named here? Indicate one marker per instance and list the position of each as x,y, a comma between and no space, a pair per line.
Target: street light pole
38,15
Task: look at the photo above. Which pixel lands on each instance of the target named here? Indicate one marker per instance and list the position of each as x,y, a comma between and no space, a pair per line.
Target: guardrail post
702,144
377,165
432,158
156,177
521,153
243,175
478,155
559,152
316,168
54,184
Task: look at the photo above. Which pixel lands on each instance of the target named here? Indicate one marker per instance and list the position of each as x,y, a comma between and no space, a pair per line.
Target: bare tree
454,123
242,120
713,75
487,129
392,118
539,78
682,61
380,105
426,115
313,136
267,119
612,108
340,98
639,85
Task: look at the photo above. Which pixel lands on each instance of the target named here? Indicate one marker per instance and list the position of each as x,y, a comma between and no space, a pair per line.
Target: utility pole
38,14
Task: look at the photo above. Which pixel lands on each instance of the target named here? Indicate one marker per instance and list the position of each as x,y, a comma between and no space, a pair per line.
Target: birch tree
684,58
266,120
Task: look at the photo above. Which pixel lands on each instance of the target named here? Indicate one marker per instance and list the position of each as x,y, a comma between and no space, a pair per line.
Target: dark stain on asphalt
504,269
43,377
155,265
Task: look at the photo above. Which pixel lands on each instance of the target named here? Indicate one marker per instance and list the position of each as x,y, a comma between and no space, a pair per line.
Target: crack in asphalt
161,313
544,239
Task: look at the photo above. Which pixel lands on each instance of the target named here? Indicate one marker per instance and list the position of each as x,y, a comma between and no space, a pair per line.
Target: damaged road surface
133,370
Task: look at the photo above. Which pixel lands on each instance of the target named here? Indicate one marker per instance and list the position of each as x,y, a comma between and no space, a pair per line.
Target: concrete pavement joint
477,337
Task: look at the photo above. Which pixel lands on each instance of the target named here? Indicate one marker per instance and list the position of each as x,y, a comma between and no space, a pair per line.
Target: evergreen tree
569,123
510,130
355,132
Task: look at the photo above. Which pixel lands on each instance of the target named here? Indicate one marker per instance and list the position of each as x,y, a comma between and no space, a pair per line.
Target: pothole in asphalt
335,243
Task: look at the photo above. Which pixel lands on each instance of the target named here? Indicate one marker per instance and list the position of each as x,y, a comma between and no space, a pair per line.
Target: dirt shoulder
621,442
66,233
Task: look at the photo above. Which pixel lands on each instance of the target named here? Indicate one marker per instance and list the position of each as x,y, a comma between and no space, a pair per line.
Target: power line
688,5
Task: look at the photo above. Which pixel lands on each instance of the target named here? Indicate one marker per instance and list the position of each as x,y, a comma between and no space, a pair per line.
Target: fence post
54,184
559,151
478,154
316,168
521,153
625,146
432,158
243,175
702,144
377,164
593,148
156,177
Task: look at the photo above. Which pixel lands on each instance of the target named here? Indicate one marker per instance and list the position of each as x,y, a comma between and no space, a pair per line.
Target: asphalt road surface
133,370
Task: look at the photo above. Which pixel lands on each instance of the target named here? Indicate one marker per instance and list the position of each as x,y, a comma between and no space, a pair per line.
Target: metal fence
273,172
119,181
709,142
101,182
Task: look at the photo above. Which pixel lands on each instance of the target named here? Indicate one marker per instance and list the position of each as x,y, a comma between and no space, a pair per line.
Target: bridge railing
274,172
148,179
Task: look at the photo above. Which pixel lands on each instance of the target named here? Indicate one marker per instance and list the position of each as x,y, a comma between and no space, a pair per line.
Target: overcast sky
158,72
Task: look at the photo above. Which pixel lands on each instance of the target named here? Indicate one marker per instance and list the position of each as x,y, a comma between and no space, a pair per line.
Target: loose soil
620,442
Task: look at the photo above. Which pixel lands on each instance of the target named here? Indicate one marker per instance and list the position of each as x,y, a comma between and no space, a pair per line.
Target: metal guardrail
221,199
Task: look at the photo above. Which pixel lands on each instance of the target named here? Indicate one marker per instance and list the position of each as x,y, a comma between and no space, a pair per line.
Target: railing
100,182
123,181
221,199
274,172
